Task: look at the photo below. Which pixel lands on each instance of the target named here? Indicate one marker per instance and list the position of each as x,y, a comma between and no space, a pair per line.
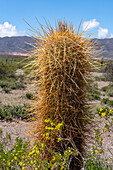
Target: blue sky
96,15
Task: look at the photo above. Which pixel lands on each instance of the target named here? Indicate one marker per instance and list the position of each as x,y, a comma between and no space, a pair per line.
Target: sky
96,16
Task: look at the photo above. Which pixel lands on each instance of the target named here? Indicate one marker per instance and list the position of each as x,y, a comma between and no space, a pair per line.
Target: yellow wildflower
15,157
31,152
110,111
103,114
96,151
31,162
105,130
93,157
43,135
100,139
42,145
53,159
37,151
48,138
101,109
9,163
23,157
23,168
20,163
34,147
62,167
49,128
92,152
47,134
59,139
3,159
47,120
52,124
58,126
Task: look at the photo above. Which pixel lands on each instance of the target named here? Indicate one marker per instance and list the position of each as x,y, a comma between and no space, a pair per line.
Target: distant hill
18,45
107,44
15,45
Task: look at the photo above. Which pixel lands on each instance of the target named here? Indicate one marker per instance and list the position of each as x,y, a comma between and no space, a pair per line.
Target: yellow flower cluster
59,139
49,128
110,111
105,130
100,139
47,136
58,127
47,120
103,114
101,109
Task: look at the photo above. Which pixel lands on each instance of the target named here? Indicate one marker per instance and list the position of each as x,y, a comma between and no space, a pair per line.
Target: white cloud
9,30
90,24
104,33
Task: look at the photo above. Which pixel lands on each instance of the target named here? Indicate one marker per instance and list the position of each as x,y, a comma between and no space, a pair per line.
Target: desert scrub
108,71
6,90
9,112
108,89
93,93
106,115
61,64
107,101
22,155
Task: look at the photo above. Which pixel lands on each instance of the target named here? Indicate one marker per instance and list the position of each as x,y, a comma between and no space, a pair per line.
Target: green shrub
108,70
105,88
7,70
110,94
20,85
110,102
9,112
93,97
6,90
93,92
105,100
29,95
3,84
108,90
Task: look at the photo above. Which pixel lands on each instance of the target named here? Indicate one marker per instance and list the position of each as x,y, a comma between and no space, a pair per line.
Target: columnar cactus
61,64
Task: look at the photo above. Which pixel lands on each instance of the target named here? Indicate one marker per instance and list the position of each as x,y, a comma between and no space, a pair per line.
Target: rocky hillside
107,45
18,45
13,45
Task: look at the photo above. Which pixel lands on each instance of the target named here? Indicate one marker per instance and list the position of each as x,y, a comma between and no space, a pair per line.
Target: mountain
18,45
107,46
15,45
